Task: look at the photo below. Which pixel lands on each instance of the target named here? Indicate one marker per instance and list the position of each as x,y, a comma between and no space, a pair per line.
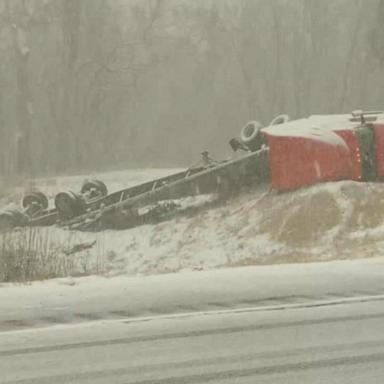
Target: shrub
28,254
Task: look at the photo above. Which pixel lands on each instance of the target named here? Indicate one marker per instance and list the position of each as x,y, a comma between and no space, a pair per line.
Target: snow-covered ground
327,221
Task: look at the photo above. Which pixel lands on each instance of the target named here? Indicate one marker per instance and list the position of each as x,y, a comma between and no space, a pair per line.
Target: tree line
89,85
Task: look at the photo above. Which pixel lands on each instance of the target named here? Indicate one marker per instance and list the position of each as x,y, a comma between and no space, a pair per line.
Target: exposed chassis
121,208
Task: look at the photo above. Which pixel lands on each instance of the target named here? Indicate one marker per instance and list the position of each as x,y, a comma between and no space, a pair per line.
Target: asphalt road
315,323
328,344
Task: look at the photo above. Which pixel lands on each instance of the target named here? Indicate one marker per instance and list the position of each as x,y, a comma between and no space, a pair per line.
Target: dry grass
29,254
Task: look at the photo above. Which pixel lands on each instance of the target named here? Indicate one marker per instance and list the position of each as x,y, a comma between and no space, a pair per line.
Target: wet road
329,344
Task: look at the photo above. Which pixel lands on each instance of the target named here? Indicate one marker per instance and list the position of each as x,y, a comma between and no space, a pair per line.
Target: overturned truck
286,154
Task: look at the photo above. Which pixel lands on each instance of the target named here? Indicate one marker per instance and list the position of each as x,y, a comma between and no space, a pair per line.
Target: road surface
329,344
320,323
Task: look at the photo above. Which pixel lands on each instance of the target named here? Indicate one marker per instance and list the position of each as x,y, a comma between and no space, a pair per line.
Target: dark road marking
176,335
265,304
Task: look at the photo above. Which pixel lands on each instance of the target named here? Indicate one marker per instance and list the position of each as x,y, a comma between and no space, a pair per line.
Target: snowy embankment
328,221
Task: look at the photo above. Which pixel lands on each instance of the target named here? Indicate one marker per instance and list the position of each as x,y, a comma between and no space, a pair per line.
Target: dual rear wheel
70,204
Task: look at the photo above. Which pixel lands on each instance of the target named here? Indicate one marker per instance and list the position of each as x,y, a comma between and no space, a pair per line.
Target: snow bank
328,221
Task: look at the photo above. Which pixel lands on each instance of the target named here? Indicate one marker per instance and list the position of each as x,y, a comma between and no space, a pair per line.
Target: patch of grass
28,254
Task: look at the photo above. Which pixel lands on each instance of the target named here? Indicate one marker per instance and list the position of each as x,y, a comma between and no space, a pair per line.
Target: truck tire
35,197
280,119
69,204
96,184
12,218
251,135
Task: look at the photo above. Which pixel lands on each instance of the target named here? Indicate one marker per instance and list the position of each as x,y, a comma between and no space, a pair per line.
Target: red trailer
326,148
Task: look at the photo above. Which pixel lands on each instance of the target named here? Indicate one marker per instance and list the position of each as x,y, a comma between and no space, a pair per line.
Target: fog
88,85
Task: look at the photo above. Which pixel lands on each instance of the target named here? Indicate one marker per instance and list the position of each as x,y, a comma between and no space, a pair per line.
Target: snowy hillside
327,221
